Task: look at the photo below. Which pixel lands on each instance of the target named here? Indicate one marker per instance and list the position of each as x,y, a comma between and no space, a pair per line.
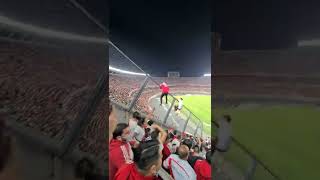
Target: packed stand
122,88
93,136
51,99
140,149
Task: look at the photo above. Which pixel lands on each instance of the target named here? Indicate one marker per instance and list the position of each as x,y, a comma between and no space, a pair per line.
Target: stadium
132,90
272,96
54,96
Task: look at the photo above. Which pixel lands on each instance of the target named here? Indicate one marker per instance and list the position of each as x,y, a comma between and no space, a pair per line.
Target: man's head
183,152
227,118
196,149
141,121
181,99
150,122
188,143
136,115
155,134
121,132
175,132
148,157
179,137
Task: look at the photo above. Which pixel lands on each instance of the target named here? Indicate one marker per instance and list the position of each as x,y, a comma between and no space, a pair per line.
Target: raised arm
163,134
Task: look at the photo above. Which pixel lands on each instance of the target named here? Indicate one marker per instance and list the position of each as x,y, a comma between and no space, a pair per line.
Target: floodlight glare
125,72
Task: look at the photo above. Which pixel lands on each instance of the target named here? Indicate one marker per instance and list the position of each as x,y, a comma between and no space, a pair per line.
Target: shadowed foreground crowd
140,149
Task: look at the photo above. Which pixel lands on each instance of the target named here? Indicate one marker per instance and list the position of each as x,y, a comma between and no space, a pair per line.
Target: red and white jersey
120,153
179,169
130,172
203,170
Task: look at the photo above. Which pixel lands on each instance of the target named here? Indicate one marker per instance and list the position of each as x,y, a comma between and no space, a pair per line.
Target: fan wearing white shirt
180,105
139,131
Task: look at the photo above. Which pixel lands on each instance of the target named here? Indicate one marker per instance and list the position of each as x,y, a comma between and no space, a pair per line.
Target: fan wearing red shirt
147,163
120,151
203,167
165,91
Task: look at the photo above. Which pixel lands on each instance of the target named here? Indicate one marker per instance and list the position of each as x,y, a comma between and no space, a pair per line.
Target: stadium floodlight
125,72
205,75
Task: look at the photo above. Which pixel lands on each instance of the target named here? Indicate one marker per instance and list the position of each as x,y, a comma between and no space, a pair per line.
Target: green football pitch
200,105
285,138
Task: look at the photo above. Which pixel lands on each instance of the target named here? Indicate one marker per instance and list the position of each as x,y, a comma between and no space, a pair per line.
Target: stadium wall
299,61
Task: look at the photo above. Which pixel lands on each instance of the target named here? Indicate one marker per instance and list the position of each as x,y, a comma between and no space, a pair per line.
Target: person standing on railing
165,91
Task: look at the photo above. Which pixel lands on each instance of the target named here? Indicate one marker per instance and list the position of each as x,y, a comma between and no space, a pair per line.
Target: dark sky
56,15
98,9
265,24
163,35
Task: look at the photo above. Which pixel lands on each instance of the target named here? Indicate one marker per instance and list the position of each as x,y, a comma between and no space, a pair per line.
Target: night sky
163,35
265,24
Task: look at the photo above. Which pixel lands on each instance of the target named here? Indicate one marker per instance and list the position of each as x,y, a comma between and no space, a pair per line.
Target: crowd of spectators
140,149
38,88
122,88
93,137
